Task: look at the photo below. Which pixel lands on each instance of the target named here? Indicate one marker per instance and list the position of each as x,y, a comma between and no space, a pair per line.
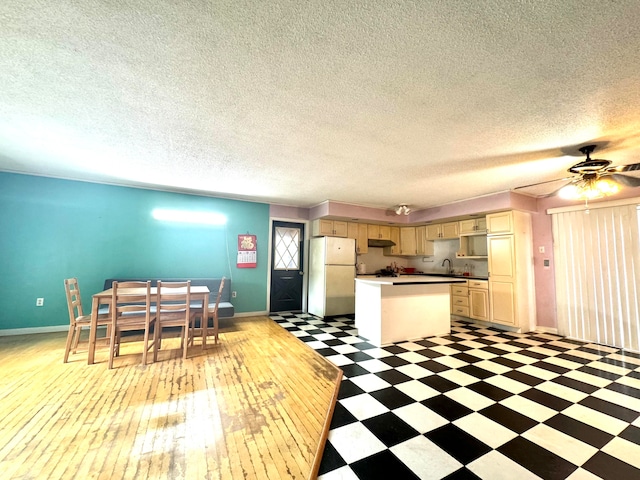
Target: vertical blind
597,262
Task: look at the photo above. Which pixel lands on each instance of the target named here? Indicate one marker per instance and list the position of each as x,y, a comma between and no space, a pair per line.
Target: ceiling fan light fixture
589,189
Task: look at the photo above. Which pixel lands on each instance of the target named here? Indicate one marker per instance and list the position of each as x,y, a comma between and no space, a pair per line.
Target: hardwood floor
257,405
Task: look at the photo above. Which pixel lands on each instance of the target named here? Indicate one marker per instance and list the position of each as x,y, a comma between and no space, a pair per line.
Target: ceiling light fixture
402,209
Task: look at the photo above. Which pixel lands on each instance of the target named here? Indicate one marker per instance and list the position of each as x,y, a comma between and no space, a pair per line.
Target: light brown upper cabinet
442,231
358,231
423,246
407,241
394,233
473,225
500,223
329,228
379,232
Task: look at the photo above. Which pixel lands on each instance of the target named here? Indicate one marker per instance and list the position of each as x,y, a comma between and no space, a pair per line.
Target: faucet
447,260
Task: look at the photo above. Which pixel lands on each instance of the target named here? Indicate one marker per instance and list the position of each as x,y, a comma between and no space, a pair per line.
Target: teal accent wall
54,229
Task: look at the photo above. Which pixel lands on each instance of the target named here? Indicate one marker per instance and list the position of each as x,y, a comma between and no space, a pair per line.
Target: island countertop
409,280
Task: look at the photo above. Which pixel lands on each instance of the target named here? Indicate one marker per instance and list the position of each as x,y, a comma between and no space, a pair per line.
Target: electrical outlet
39,302
233,294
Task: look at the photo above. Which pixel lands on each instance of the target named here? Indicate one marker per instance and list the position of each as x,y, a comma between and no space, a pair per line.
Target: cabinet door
481,224
501,262
352,231
433,232
394,236
340,229
385,232
479,304
468,226
449,230
421,240
502,279
502,302
499,223
408,241
361,241
373,232
322,228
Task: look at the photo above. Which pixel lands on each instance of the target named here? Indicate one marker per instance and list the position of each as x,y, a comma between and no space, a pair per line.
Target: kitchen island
393,309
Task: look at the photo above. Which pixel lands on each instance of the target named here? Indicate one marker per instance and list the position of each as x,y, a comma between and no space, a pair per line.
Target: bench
225,309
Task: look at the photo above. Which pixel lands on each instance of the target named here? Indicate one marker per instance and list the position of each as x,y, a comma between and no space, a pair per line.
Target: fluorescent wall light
189,216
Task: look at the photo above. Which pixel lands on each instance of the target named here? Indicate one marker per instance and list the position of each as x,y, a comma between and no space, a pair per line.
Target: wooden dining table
198,294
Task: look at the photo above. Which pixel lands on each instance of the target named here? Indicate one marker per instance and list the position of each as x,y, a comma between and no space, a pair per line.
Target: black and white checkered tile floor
479,403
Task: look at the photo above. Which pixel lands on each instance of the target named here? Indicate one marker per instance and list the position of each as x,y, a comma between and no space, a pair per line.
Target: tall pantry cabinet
510,265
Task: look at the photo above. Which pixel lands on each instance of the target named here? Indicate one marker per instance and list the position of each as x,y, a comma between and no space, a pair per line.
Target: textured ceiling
296,102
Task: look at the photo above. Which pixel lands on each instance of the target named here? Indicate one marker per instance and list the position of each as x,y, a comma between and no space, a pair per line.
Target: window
287,248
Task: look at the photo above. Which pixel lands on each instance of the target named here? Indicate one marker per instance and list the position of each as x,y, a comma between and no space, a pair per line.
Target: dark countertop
423,279
472,277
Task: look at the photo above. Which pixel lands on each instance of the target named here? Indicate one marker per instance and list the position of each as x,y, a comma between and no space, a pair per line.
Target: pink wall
284,211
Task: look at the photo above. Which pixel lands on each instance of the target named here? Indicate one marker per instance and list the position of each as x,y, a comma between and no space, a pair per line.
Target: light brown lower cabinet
479,299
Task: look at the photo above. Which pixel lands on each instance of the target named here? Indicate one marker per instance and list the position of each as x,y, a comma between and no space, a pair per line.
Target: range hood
380,243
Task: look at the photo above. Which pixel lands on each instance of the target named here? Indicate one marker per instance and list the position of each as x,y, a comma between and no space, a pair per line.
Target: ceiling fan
592,178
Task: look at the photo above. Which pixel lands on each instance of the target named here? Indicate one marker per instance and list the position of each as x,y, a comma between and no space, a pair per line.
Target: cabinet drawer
456,290
460,301
462,311
482,284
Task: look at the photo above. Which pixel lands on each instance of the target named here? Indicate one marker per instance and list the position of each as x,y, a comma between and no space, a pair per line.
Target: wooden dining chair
173,309
213,314
77,319
130,311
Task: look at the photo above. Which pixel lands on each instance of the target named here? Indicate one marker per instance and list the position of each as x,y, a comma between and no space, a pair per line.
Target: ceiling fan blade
626,180
624,168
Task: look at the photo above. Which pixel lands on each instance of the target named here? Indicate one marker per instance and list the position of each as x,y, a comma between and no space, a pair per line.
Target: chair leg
113,346
76,338
67,348
157,335
145,346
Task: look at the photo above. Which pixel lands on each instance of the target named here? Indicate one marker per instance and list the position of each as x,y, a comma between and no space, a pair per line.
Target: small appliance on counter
386,272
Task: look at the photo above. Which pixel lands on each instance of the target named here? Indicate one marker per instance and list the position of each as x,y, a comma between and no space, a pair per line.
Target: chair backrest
219,295
174,297
130,298
74,301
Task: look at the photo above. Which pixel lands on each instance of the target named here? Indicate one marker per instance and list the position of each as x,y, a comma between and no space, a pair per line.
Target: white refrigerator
332,271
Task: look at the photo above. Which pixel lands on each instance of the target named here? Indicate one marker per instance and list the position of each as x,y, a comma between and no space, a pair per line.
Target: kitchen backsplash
375,260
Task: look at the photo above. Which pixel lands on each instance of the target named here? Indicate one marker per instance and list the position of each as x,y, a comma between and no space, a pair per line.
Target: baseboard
28,331
247,314
553,331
